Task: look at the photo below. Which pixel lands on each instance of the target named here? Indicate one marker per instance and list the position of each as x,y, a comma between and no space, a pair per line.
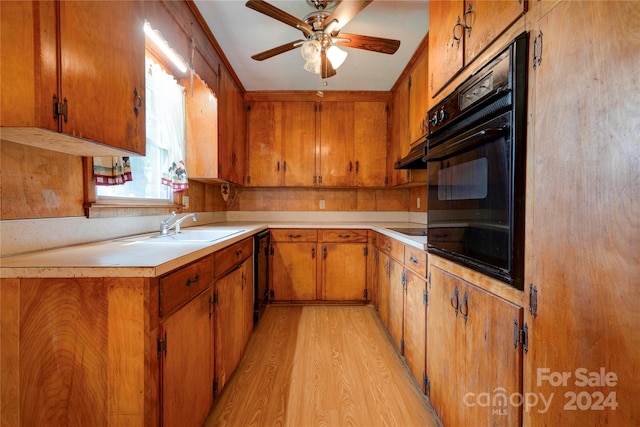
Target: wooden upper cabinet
336,143
418,97
201,130
400,140
445,53
281,143
299,141
83,60
231,138
460,30
370,143
353,142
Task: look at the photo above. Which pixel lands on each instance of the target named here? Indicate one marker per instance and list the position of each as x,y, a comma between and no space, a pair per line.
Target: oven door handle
465,142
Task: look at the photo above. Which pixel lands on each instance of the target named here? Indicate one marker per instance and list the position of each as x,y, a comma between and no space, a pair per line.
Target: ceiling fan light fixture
310,50
336,56
313,66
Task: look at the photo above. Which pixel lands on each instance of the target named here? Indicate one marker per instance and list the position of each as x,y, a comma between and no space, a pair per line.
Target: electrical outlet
418,203
321,204
185,202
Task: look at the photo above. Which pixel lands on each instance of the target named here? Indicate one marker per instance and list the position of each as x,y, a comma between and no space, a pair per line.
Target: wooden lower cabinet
233,299
474,369
78,351
415,325
318,265
187,363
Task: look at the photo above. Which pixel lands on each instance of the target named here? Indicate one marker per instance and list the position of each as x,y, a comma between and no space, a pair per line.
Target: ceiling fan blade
326,69
344,12
277,50
374,44
280,15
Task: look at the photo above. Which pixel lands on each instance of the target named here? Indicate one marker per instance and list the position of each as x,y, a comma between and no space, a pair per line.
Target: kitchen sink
411,231
186,236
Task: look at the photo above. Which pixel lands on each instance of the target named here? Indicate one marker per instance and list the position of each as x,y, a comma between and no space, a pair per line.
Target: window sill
113,210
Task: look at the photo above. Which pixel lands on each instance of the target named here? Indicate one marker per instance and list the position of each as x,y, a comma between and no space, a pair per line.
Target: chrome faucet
165,227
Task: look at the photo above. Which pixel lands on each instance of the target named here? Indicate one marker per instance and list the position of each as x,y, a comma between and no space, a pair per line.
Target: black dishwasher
261,274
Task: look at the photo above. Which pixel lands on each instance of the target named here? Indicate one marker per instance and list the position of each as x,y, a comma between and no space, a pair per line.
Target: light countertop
142,256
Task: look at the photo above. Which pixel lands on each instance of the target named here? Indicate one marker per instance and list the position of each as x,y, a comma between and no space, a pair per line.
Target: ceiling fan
321,30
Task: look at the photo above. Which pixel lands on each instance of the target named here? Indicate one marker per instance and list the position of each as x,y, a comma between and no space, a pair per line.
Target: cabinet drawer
350,236
228,258
416,260
178,287
294,235
392,247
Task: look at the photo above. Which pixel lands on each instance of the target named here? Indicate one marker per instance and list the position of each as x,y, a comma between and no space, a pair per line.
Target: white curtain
168,109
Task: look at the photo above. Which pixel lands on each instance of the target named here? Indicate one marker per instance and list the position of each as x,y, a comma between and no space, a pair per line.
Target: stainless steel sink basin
411,231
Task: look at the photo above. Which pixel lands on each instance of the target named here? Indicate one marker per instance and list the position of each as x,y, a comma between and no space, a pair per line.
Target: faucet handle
169,218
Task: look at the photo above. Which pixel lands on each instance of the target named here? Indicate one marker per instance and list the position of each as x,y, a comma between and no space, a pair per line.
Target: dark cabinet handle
350,166
239,253
344,236
313,253
455,37
388,246
357,166
464,308
191,281
454,300
284,166
413,260
324,252
278,166
137,101
295,236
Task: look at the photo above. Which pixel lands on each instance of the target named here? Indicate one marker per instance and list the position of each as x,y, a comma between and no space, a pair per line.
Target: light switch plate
185,202
321,204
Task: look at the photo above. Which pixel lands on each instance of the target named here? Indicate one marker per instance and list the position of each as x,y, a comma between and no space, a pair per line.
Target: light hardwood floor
321,366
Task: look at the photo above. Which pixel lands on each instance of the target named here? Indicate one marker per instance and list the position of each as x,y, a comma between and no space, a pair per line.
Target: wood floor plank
321,366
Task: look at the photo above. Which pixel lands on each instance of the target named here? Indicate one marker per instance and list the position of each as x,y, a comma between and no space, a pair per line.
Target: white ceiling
243,32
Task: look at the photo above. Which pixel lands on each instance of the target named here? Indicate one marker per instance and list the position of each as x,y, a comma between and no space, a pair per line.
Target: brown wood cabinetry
73,76
343,265
232,156
281,144
401,299
353,144
460,30
297,143
185,343
233,297
584,303
293,259
418,99
471,353
399,139
326,265
187,362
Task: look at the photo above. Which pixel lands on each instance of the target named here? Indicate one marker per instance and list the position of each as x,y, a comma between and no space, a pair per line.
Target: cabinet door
587,309
299,143
445,53
293,271
231,144
383,275
344,271
470,334
201,120
396,303
399,140
336,144
418,99
265,144
491,362
486,21
102,60
229,332
247,301
443,360
415,316
187,365
370,144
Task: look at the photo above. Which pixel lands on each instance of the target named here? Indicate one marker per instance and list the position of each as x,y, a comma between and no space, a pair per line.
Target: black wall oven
476,169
